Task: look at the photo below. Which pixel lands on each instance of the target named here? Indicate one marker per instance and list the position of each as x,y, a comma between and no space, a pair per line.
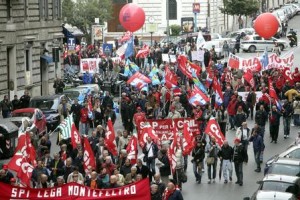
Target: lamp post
168,25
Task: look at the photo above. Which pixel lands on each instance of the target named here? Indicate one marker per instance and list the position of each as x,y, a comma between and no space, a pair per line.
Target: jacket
287,110
165,169
154,149
143,170
198,154
240,118
296,106
176,196
226,153
258,144
99,183
261,117
231,108
239,154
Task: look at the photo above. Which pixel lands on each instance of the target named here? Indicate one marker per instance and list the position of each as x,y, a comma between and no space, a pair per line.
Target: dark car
8,138
284,166
49,106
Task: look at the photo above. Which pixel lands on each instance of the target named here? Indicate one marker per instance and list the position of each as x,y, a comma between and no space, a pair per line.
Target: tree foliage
83,13
240,7
175,29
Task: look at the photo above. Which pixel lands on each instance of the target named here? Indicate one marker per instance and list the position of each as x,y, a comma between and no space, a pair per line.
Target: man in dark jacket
261,118
24,100
59,86
287,112
274,123
56,167
164,170
198,155
239,155
75,109
258,147
171,193
225,155
150,151
142,169
94,182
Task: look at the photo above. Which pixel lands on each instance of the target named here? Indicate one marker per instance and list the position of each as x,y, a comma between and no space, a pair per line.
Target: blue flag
198,83
129,50
264,59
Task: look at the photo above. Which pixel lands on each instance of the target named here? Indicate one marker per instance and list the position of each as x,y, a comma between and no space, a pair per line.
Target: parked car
92,87
8,138
36,117
253,43
272,195
292,152
218,45
77,93
279,183
281,15
284,166
49,106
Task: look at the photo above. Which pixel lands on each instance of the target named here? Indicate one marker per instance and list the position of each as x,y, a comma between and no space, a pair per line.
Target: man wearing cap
238,158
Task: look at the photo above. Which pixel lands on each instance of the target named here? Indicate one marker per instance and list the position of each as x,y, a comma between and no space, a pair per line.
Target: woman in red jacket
231,109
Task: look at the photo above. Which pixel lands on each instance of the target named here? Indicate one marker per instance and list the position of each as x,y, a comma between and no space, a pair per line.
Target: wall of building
27,29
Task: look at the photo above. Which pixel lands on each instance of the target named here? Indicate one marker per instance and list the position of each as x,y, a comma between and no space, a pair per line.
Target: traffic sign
71,44
107,48
196,7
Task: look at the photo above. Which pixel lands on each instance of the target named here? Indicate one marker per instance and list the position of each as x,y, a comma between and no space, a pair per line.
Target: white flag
200,40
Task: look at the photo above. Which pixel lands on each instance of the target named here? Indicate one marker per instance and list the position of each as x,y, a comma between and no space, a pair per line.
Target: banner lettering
136,191
164,127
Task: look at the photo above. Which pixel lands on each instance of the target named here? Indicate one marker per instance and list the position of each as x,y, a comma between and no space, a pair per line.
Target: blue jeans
257,158
286,125
214,168
231,121
84,128
296,119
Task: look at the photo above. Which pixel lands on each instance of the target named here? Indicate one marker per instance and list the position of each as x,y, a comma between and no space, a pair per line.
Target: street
219,190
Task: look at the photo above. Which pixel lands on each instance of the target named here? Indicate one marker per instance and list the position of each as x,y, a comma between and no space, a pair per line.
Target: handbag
210,160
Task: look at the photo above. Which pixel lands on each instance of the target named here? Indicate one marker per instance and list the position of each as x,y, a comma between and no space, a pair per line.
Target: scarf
168,193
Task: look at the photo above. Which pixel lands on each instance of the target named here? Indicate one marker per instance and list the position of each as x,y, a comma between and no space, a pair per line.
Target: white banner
90,65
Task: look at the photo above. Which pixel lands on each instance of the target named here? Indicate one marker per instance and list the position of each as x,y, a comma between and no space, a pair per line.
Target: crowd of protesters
160,102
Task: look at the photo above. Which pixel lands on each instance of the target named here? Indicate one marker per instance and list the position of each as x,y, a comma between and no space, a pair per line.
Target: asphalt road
218,190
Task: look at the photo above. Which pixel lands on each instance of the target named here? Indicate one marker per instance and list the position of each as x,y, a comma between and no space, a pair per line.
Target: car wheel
281,47
252,48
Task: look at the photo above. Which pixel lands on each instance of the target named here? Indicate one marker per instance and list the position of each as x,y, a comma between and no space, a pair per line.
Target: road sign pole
195,24
151,33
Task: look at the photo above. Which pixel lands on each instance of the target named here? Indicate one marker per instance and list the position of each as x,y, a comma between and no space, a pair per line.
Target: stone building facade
29,30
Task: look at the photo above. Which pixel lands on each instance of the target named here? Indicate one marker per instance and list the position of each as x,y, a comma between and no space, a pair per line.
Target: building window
46,9
42,9
172,9
8,9
26,8
27,60
59,15
54,9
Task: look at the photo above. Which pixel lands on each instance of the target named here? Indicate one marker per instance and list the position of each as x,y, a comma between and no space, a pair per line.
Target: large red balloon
132,17
266,25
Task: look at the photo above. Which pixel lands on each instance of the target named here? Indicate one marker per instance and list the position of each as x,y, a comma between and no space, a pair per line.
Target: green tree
240,7
175,29
68,9
83,13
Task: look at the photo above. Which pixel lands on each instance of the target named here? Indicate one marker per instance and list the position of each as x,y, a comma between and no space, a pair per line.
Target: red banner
164,127
136,191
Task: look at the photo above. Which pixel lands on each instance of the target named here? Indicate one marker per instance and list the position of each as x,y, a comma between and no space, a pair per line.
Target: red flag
288,75
144,52
212,129
170,78
139,80
15,162
75,136
88,155
248,76
233,61
272,91
171,154
197,97
147,131
25,172
132,150
26,148
187,140
219,95
184,66
110,138
196,68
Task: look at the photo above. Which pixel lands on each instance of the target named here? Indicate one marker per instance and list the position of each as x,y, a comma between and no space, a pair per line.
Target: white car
253,43
271,195
92,87
218,45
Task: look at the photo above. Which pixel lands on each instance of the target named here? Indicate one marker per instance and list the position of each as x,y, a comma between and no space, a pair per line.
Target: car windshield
72,94
23,114
280,187
291,170
44,104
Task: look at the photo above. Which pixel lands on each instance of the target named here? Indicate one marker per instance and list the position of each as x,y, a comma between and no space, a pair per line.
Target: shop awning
48,59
